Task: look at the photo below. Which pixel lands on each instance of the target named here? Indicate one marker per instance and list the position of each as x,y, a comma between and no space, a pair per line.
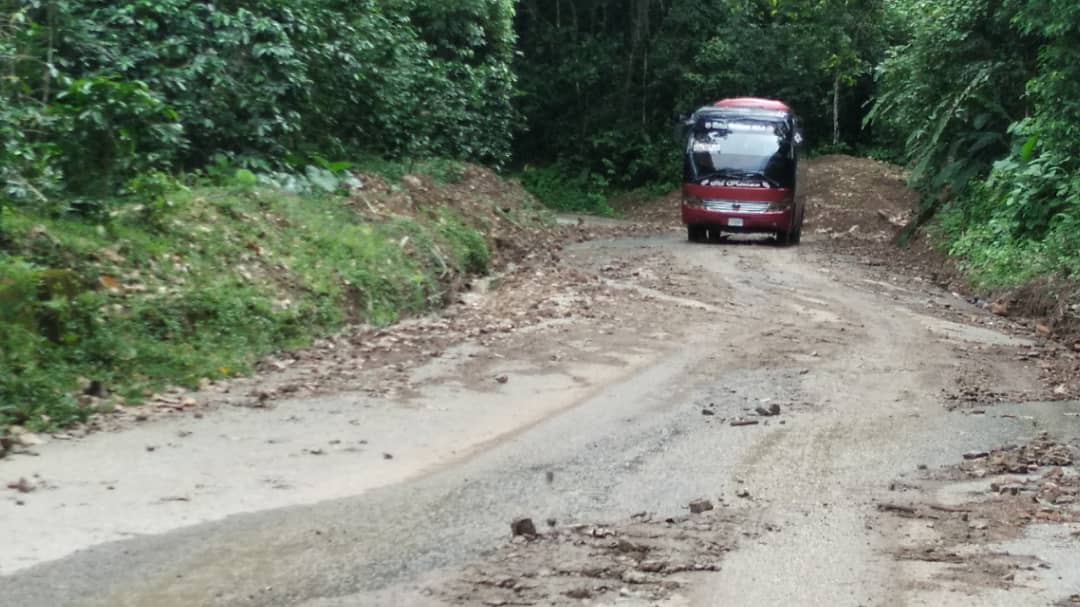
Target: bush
96,92
564,189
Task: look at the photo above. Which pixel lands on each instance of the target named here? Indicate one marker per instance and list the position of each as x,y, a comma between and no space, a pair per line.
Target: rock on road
631,404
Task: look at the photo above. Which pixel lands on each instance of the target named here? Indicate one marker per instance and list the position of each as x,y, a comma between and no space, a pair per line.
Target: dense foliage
987,93
97,91
601,79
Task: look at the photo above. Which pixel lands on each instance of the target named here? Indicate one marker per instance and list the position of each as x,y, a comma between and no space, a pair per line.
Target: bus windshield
741,150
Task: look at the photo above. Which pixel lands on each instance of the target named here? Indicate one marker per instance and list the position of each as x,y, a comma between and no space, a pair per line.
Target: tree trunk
836,110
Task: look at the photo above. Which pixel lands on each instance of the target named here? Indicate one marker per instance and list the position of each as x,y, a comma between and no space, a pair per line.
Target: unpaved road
620,402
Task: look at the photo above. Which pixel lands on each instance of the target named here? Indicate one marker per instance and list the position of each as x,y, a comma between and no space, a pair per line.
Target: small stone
388,456
652,566
523,526
743,493
630,576
700,505
29,439
502,379
708,412
22,486
976,455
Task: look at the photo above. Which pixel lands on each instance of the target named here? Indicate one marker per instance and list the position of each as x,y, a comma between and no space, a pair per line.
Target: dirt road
810,397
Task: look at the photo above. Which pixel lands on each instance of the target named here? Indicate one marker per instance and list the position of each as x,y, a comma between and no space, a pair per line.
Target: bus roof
753,102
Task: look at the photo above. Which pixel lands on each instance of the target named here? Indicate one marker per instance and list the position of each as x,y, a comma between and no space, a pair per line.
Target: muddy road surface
828,419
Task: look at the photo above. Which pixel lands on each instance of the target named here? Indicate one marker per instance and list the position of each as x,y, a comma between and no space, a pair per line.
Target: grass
202,283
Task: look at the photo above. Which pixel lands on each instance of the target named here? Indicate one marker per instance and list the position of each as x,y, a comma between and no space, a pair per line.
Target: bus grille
735,206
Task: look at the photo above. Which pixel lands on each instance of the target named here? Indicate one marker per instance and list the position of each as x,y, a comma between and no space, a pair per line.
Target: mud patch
974,521
645,559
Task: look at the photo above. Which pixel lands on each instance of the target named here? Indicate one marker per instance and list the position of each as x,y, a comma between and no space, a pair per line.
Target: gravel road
634,403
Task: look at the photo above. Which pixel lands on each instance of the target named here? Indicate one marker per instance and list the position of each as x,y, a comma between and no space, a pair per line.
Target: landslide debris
1035,482
644,559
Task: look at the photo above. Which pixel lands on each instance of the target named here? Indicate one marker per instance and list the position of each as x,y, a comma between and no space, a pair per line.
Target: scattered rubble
1018,459
644,558
1034,482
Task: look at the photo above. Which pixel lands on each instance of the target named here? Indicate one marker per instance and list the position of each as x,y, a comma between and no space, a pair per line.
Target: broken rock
29,439
523,526
772,411
699,506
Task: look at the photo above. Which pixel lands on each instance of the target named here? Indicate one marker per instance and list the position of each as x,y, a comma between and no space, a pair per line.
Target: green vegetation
174,200
97,91
201,282
601,80
112,271
563,189
987,95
